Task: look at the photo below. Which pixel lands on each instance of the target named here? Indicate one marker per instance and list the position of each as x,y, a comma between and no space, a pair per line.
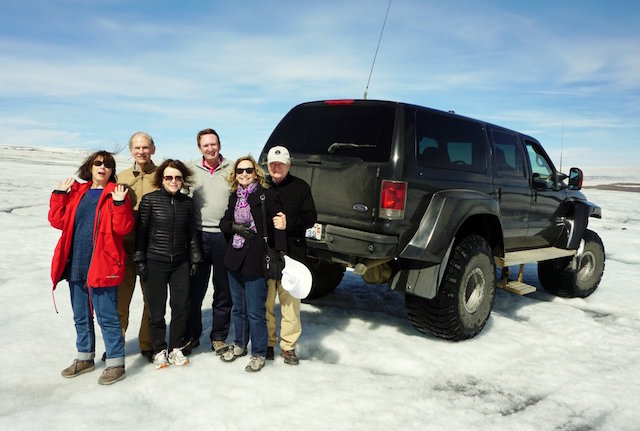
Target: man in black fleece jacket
299,214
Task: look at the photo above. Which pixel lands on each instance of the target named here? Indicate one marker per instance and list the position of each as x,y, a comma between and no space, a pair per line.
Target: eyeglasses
170,178
247,170
107,165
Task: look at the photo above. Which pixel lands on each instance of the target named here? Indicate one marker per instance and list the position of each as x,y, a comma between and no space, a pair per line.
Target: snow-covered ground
541,363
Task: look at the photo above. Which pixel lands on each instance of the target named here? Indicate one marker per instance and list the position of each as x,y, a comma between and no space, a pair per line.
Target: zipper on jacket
173,214
95,240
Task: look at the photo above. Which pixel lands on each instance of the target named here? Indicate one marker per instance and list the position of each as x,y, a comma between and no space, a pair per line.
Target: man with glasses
210,199
139,178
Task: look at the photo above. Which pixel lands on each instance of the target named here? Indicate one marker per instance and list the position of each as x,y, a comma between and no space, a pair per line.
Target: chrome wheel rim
474,288
587,266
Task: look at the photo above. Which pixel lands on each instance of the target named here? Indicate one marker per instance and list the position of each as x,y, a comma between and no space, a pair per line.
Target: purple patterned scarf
242,212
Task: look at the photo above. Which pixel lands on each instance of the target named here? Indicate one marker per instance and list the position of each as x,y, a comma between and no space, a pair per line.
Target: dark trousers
214,247
176,275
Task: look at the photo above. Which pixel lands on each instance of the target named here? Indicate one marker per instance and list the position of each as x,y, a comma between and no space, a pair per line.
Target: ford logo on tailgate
361,208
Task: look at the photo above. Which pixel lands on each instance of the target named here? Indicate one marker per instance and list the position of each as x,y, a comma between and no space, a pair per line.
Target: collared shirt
215,166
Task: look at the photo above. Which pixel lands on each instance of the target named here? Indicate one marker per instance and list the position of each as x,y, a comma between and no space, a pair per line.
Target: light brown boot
78,367
111,375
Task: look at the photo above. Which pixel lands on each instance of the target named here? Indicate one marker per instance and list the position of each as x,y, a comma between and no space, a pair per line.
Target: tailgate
345,190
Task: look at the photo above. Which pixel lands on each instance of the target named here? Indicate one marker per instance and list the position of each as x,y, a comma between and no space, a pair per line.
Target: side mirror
558,178
537,182
575,179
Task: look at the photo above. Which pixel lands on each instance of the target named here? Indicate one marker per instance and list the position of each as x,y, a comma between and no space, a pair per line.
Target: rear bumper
355,243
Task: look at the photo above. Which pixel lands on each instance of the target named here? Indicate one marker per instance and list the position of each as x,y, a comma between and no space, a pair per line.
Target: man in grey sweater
210,199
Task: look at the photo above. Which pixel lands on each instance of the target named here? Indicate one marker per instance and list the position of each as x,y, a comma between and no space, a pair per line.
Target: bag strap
265,235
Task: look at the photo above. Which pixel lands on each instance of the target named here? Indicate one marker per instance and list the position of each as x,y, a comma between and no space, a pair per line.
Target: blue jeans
249,294
105,305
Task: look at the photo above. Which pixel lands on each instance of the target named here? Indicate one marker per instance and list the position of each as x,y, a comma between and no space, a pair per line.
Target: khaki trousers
290,325
125,293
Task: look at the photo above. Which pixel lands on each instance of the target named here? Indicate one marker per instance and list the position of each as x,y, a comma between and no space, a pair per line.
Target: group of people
175,227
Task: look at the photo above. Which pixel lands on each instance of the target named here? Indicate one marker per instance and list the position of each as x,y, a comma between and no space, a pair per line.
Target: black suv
432,202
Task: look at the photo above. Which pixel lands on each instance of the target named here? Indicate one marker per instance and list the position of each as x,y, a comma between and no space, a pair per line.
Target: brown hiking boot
78,367
289,357
219,346
111,375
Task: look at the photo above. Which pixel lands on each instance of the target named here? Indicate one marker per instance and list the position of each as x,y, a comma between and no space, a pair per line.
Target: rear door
512,185
339,147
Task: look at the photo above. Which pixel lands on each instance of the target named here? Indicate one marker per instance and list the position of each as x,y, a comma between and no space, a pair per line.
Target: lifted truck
432,203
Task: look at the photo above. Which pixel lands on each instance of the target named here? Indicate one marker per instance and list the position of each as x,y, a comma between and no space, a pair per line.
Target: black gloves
141,270
193,269
243,230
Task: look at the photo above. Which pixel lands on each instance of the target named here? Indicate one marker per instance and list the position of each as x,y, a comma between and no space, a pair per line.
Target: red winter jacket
111,224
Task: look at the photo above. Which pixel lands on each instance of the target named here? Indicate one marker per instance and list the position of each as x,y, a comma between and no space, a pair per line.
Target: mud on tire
463,304
556,279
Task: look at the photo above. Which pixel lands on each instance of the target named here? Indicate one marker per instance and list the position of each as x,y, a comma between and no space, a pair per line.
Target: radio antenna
377,47
561,146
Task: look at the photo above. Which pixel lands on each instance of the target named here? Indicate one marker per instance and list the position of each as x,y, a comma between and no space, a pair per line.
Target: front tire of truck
326,277
464,300
557,279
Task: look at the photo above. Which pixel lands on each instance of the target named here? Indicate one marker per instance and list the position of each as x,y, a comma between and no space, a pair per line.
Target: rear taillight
393,199
339,102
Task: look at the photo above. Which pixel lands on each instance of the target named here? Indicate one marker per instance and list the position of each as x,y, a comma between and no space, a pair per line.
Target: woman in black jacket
245,257
167,248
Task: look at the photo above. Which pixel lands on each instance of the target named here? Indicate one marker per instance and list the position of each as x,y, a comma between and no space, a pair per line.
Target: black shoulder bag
273,259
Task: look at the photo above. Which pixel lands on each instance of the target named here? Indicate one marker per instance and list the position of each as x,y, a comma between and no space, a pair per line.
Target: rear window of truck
446,142
362,131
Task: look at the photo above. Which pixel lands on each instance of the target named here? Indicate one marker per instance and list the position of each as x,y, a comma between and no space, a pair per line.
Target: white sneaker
233,353
178,358
160,359
255,364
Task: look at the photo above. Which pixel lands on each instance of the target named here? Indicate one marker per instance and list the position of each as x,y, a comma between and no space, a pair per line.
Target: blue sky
87,74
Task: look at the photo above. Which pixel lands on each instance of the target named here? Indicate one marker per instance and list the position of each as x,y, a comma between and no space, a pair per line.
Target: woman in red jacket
94,217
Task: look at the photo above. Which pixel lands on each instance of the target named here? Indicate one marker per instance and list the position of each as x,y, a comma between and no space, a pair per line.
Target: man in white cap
299,214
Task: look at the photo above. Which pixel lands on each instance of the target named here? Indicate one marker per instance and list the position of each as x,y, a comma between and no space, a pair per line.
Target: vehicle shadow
508,304
355,302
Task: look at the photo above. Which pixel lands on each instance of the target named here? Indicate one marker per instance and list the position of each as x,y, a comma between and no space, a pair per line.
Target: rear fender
446,213
424,259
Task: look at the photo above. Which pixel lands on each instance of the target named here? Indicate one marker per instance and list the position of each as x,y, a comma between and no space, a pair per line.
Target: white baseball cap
296,278
278,154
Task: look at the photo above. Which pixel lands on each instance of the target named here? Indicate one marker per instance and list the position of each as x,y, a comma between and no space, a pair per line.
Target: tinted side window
507,154
362,131
539,163
449,143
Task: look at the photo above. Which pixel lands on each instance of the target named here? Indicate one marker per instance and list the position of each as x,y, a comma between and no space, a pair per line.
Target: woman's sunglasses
247,170
172,177
107,165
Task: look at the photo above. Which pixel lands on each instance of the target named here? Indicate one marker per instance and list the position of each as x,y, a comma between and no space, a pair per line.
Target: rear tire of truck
580,283
326,277
464,300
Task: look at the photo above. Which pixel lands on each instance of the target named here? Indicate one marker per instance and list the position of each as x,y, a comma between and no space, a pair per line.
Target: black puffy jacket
165,229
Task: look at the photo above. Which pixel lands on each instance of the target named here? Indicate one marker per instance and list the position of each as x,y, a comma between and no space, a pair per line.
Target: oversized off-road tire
464,300
582,282
326,277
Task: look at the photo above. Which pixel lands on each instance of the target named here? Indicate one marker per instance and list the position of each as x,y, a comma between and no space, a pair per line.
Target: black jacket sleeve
195,247
306,215
142,230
